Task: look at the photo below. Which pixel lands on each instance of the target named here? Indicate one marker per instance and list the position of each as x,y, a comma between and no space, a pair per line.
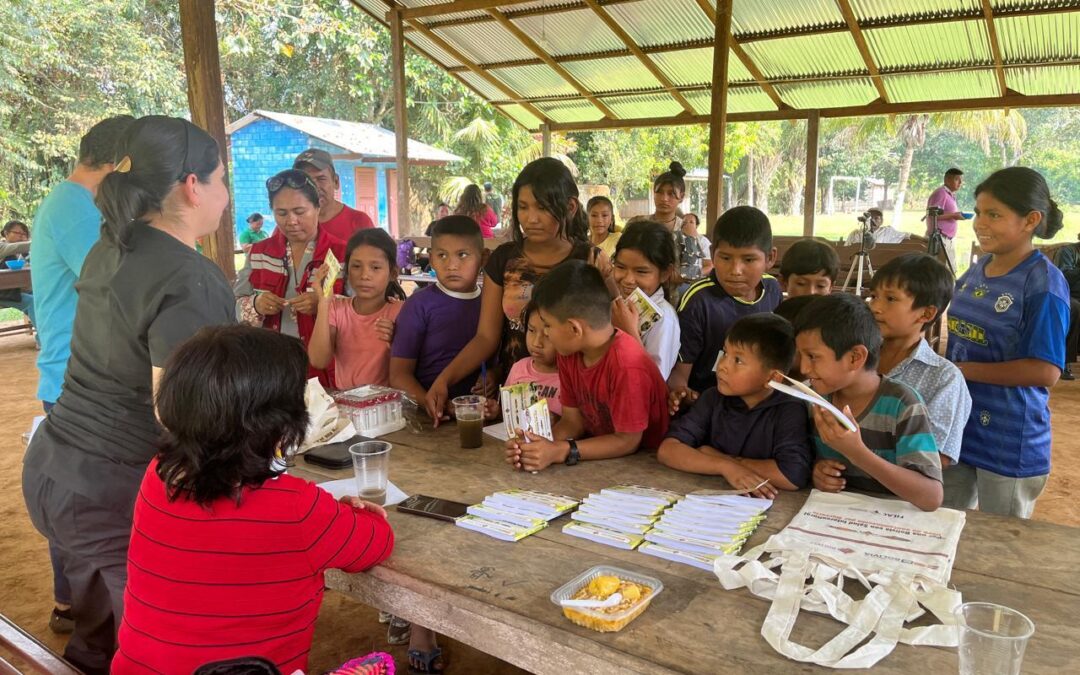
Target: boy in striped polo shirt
894,450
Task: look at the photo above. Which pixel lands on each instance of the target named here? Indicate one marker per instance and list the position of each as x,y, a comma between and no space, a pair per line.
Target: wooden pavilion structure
574,65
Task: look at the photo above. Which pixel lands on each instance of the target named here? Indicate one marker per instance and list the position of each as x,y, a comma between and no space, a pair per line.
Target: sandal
428,659
385,617
375,663
397,633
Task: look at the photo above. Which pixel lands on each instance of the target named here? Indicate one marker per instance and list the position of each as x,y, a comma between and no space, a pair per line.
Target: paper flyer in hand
332,274
805,393
536,419
515,400
648,313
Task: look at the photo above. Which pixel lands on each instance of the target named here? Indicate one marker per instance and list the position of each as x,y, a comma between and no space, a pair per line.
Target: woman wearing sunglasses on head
274,288
142,292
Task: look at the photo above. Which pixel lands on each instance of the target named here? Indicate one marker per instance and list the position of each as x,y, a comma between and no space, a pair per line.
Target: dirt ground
345,628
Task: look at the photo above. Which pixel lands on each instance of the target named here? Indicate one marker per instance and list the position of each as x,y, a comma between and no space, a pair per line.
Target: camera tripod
935,246
861,261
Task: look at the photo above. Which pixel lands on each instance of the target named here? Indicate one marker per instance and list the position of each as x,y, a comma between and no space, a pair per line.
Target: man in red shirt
335,217
614,398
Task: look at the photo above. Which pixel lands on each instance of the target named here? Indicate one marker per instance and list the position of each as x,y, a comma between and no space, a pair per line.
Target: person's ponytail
151,159
1052,222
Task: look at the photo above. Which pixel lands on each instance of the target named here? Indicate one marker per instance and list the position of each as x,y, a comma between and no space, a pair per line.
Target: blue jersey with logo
1020,315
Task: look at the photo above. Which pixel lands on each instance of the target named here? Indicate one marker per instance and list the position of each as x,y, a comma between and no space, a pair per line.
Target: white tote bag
902,555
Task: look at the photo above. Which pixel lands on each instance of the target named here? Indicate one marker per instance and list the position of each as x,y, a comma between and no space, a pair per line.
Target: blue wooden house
264,143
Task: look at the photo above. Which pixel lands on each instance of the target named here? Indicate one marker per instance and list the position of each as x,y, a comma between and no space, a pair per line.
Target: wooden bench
18,645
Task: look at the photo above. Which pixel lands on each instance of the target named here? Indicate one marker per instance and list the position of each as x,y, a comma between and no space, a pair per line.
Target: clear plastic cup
992,638
371,466
469,412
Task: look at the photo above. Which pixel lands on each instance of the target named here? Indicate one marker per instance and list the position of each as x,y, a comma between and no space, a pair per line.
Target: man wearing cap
254,232
336,218
494,200
944,198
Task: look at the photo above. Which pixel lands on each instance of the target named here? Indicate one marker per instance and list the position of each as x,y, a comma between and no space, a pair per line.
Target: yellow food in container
601,582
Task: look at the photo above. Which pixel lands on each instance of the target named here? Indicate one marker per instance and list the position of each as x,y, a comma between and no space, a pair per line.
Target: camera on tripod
866,239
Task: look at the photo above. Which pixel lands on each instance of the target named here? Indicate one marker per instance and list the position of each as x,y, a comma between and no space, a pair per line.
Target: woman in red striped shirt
227,555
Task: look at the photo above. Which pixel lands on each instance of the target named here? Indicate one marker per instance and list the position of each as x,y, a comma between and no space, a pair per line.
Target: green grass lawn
838,225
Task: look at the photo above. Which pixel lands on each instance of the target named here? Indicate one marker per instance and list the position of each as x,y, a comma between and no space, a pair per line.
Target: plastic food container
611,619
373,410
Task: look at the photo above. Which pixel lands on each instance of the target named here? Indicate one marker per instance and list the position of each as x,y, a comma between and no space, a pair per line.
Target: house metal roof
370,142
611,63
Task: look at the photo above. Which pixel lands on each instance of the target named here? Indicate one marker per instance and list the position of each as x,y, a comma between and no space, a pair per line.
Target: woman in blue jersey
1007,327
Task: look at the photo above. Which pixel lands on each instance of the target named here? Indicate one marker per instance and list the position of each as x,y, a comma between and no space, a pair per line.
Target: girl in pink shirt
356,332
539,366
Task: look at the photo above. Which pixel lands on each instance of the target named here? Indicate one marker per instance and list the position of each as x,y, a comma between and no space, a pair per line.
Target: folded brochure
805,393
648,313
498,529
332,274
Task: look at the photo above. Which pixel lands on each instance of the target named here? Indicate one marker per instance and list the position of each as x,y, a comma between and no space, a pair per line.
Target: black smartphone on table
334,455
433,507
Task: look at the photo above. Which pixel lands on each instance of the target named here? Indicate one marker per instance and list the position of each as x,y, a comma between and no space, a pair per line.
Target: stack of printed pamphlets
620,516
698,529
511,515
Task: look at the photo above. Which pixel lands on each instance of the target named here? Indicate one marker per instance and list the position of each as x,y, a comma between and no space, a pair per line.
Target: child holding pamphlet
644,266
356,332
540,367
891,448
612,394
757,438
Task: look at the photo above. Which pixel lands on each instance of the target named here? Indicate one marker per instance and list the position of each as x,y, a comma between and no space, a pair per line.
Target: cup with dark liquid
371,466
469,411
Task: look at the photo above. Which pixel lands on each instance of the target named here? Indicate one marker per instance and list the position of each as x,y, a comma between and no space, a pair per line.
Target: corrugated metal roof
1030,39
944,86
532,81
694,66
576,32
816,55
361,138
958,43
828,94
436,52
1039,81
740,100
870,10
488,90
520,115
602,75
770,16
641,107
662,22
485,42
570,111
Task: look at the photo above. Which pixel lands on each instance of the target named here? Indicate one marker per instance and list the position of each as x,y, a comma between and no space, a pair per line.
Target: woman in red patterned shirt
227,555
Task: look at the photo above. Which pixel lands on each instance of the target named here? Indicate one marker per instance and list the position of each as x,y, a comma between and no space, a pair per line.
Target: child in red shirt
613,396
227,556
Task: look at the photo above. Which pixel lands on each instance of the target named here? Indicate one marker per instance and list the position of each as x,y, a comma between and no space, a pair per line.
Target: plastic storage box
373,410
611,619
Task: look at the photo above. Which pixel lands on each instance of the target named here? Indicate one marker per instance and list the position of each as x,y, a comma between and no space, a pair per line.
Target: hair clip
124,165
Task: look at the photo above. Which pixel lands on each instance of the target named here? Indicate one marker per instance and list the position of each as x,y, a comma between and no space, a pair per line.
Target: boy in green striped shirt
894,450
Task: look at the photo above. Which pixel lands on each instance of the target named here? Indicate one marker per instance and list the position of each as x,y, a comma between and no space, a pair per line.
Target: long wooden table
14,279
494,595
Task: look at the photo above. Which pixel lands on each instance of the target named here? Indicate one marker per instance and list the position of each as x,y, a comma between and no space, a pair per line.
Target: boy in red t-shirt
613,395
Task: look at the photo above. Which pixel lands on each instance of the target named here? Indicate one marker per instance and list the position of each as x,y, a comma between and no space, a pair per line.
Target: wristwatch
574,456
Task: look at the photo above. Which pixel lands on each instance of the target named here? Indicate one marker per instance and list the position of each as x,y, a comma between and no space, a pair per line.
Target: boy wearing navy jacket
743,429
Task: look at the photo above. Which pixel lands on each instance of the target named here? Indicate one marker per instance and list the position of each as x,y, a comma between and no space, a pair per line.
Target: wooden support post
545,140
401,120
718,113
813,122
207,103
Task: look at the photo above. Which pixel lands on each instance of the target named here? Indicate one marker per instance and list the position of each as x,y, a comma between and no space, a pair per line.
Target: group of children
695,385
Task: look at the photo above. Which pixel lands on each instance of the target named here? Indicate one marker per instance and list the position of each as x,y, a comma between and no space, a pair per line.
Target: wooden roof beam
455,7
699,43
531,45
740,53
864,50
1002,102
486,76
631,44
995,47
